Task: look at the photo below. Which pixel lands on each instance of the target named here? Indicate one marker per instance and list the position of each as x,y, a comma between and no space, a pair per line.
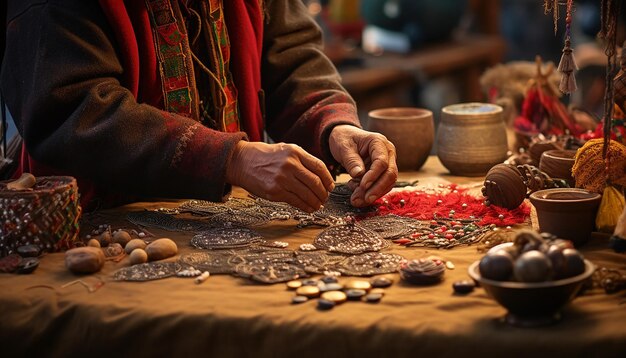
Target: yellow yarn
611,208
589,167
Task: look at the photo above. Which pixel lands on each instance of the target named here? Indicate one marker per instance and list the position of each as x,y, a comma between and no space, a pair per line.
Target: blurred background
431,53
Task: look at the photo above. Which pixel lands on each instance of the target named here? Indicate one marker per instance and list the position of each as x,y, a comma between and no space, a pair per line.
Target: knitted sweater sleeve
61,80
304,97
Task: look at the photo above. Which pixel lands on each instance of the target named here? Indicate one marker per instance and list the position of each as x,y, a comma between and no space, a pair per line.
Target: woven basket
45,215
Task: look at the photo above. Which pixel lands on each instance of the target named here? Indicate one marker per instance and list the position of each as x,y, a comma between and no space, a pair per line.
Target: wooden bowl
558,163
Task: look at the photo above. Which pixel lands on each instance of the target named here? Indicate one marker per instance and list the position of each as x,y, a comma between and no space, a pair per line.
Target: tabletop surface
228,316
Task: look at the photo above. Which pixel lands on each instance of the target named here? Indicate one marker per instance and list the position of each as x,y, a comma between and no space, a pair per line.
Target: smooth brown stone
334,296
161,249
93,243
138,256
381,282
84,259
295,284
105,238
308,291
29,251
121,237
134,244
358,285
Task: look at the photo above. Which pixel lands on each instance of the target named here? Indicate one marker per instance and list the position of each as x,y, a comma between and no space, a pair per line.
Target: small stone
299,299
93,243
358,285
121,237
450,265
325,304
373,297
333,286
378,291
463,287
310,282
355,295
134,244
84,259
105,238
329,279
334,296
295,284
381,282
28,251
161,249
138,256
141,234
27,265
308,291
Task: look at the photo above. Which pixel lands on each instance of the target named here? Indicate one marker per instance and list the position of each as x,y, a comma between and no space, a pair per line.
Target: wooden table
233,317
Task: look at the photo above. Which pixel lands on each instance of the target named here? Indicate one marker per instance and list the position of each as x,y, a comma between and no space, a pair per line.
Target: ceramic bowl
568,213
411,130
532,304
558,163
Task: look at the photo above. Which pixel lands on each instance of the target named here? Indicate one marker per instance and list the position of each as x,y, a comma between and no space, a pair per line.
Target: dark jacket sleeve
304,96
61,79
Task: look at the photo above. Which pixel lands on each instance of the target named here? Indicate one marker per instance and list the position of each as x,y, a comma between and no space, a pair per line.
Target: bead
463,287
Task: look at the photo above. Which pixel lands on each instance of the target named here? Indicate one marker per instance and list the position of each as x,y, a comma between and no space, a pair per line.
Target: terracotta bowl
558,164
411,130
532,304
568,213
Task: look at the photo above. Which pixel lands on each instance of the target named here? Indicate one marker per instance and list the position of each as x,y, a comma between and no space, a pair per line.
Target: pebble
84,259
161,249
450,265
463,287
309,282
93,243
355,295
134,244
380,291
329,279
334,296
308,291
373,297
121,237
141,234
105,238
299,299
325,304
331,287
381,282
29,251
295,284
358,285
27,265
138,256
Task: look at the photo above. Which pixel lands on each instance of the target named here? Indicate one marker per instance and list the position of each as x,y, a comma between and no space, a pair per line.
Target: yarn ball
504,186
589,166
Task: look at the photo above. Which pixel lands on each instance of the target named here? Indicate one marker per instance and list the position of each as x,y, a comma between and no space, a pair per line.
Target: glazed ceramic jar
471,138
411,130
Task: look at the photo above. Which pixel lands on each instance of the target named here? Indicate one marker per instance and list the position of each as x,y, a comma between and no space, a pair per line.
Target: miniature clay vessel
411,130
537,147
504,187
568,213
471,138
558,164
532,304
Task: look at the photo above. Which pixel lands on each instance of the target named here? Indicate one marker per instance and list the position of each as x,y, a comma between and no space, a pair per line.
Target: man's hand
280,172
369,158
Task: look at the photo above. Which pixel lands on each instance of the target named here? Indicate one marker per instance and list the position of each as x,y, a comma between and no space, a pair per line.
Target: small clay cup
568,213
411,130
558,163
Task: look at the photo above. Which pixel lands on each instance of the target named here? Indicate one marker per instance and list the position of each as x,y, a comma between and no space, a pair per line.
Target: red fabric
543,113
244,21
423,205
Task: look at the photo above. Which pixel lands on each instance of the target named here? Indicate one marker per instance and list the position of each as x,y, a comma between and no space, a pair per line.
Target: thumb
353,163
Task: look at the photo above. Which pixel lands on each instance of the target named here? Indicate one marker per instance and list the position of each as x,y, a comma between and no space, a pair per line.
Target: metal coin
335,296
299,299
292,285
308,291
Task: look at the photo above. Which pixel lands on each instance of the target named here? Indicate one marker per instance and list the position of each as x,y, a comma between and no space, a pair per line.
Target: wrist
233,167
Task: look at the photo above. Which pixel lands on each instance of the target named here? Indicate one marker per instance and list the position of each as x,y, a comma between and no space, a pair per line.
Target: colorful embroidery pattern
171,44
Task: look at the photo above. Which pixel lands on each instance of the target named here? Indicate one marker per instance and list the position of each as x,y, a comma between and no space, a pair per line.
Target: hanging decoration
567,65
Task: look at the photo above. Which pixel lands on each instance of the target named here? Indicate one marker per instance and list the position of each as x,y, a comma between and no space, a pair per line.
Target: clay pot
471,138
411,130
568,213
558,164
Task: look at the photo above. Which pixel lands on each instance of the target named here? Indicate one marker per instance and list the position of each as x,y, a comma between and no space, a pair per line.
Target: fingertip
356,171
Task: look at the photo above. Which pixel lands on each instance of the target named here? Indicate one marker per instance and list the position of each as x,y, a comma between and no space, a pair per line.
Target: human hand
369,158
280,172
